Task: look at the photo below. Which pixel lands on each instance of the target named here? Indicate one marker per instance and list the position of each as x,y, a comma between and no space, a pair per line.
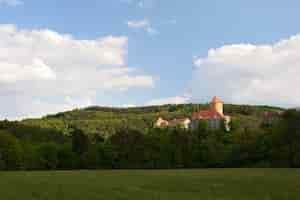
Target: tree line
24,147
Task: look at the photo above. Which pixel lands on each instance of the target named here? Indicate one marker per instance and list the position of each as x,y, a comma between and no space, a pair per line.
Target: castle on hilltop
214,116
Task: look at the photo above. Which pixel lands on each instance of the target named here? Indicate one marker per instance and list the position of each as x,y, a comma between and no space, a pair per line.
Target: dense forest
111,138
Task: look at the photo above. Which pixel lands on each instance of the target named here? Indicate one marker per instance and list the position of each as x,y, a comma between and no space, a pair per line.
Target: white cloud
13,72
138,24
27,107
169,100
254,74
128,106
11,3
142,24
41,68
122,106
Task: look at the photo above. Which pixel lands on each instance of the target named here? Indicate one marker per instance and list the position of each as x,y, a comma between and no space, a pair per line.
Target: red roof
207,114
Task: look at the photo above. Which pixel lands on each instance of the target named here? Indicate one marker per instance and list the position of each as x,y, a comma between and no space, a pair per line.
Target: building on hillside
161,123
214,116
181,122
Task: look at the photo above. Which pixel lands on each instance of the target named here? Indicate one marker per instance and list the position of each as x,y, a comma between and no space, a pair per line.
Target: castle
214,117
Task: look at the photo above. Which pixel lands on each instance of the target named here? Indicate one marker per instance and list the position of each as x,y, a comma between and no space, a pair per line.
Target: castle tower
217,105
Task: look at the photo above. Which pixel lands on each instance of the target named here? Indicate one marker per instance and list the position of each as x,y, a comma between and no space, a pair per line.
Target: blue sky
167,47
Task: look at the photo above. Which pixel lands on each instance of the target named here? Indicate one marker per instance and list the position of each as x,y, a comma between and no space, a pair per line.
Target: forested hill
105,121
110,138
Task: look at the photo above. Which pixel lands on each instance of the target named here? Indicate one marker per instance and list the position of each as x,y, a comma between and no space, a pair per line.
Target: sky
61,54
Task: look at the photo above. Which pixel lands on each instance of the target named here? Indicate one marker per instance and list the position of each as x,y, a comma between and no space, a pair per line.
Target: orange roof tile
207,114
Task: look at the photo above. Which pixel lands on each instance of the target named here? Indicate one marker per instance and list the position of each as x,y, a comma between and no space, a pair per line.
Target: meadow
218,184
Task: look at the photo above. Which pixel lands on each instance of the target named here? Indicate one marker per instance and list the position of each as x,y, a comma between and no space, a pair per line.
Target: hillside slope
105,121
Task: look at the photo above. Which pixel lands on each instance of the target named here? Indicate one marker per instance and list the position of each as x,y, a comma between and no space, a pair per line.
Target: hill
111,138
105,121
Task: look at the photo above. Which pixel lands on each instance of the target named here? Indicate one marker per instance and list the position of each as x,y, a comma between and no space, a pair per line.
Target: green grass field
219,184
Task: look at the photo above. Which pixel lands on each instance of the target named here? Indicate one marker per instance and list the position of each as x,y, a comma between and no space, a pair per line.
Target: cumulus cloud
250,74
143,24
41,69
11,3
13,72
28,107
169,100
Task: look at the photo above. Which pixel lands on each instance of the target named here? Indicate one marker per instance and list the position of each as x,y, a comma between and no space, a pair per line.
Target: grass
210,184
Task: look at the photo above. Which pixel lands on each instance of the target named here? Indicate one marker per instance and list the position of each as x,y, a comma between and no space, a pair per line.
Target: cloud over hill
44,71
254,74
